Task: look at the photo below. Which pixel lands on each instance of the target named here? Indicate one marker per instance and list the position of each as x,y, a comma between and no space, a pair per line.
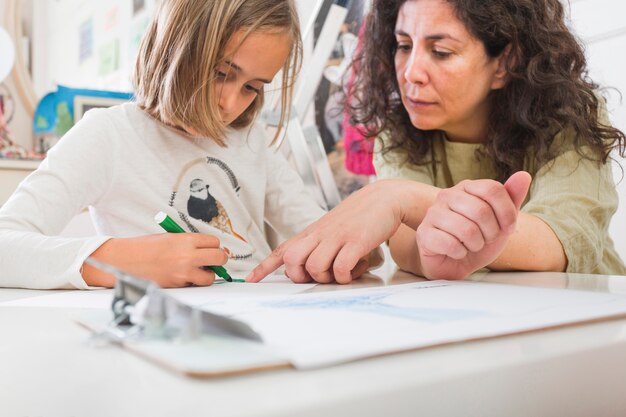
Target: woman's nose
415,71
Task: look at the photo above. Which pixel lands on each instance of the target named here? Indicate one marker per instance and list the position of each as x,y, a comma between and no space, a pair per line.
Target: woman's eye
441,54
220,74
252,89
403,47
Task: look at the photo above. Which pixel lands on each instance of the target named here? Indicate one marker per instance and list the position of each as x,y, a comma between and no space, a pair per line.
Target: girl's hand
468,226
169,259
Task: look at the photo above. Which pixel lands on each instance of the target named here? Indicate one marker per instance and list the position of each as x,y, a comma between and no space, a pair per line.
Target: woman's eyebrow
400,32
433,37
439,36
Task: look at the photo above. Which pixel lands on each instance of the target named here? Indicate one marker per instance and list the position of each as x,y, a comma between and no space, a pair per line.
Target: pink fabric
359,150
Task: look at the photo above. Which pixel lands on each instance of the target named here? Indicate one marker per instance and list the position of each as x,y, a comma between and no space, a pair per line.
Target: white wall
56,45
602,26
55,26
600,23
21,124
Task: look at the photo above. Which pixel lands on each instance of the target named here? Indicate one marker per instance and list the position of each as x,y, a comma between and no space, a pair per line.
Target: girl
462,95
188,146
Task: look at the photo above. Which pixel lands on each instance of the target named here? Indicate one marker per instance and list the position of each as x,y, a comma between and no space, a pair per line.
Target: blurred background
62,57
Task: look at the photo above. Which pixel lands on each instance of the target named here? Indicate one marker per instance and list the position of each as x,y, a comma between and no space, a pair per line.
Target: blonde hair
178,56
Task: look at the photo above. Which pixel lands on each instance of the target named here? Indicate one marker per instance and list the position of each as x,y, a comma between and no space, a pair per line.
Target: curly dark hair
547,90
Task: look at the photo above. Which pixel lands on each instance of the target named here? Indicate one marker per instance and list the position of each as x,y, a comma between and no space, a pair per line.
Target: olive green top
575,196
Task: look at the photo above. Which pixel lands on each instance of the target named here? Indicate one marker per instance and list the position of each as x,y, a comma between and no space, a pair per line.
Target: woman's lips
420,104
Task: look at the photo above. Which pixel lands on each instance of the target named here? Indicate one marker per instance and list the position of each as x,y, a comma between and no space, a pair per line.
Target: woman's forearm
416,199
403,248
532,247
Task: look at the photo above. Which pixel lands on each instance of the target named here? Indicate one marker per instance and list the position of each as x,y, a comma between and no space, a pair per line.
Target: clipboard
204,357
341,326
150,323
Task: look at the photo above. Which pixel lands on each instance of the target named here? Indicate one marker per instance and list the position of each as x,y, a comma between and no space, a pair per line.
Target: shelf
19,164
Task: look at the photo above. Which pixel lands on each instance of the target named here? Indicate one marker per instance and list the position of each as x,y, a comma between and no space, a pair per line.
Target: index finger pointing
267,265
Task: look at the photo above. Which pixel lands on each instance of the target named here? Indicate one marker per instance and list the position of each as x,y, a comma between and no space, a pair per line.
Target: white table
47,369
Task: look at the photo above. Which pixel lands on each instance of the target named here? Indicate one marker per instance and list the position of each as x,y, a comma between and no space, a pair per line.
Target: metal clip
143,309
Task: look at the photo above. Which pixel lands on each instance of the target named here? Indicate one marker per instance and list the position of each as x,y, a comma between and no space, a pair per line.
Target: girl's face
443,72
246,68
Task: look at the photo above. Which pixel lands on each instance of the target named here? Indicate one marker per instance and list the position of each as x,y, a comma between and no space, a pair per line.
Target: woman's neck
474,129
465,137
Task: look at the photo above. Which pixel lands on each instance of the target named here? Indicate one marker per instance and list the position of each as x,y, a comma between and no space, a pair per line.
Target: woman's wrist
412,200
404,250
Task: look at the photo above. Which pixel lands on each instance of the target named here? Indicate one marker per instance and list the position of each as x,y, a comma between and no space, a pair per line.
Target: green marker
171,226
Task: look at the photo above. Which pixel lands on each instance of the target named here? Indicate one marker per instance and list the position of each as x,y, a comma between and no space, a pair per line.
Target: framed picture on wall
82,104
138,5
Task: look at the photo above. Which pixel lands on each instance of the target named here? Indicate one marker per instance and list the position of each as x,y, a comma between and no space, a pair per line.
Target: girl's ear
501,76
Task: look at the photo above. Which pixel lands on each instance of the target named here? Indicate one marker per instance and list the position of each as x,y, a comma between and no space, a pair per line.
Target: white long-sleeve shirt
125,167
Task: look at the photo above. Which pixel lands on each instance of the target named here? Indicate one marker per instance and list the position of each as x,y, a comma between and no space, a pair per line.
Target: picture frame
82,104
138,6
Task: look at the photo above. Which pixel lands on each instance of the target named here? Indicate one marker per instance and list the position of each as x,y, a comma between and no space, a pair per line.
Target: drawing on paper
375,303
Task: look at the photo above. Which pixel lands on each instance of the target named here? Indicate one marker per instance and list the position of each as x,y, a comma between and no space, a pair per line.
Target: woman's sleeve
77,171
393,165
576,197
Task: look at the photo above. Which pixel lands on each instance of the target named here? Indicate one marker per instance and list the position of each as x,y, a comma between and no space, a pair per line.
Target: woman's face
444,73
247,67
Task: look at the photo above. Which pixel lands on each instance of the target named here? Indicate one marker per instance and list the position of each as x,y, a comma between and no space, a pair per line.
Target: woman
463,94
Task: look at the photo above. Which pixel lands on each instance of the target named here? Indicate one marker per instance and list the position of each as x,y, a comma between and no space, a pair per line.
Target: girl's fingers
211,257
202,240
201,277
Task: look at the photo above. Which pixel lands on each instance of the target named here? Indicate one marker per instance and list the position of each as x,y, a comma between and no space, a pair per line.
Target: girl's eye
252,89
220,75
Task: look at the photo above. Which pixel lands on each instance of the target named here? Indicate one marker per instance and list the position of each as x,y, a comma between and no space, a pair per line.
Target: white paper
66,299
271,286
320,329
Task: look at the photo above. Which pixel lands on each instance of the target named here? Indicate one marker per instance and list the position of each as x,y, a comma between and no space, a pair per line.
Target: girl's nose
228,100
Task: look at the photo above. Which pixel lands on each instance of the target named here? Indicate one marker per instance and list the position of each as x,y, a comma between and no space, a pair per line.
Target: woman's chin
423,124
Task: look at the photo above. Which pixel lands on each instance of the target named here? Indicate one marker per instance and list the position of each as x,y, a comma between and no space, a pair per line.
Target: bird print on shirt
203,206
